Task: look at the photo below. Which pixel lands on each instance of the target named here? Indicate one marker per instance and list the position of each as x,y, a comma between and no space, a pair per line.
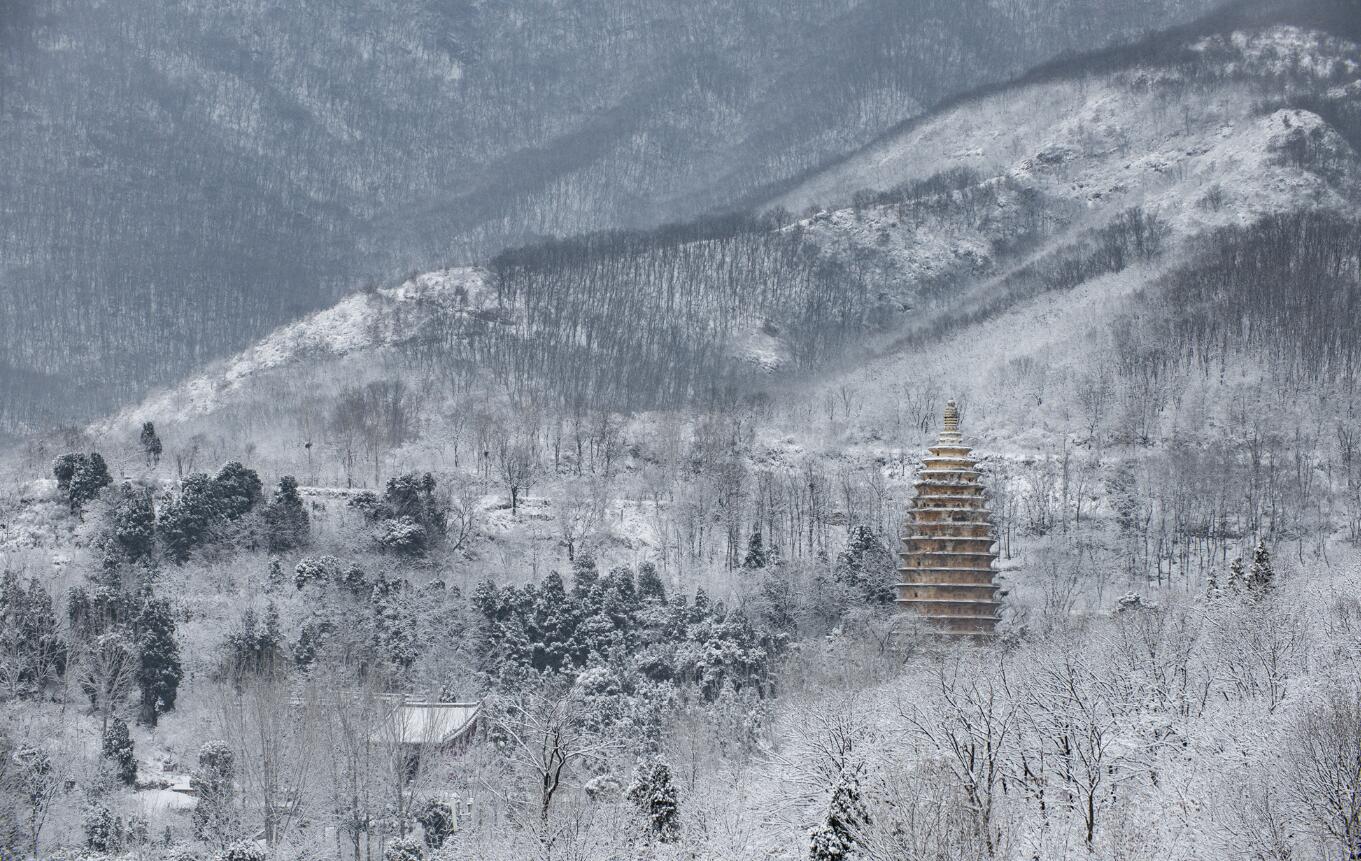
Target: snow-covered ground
1102,135
358,322
1198,151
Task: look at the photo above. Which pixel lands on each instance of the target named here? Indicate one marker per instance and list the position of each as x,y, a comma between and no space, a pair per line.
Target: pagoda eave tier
947,559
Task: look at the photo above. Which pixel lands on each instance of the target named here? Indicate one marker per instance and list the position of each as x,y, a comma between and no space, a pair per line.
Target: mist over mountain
181,177
1147,155
818,432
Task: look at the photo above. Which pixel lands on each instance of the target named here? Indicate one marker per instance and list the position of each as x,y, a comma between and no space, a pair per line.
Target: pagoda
947,558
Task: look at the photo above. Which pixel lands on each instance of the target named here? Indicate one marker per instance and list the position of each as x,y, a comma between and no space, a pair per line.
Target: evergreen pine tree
89,478
394,638
190,519
584,575
437,822
1236,581
700,609
29,635
650,586
151,443
756,552
413,496
554,628
866,566
255,649
838,836
237,490
159,671
403,849
132,523
214,817
286,522
117,748
597,637
620,601
274,576
1261,578
103,831
654,794
64,469
1212,590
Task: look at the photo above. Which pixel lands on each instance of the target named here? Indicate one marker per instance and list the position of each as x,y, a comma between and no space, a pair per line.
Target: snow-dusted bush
404,849
243,852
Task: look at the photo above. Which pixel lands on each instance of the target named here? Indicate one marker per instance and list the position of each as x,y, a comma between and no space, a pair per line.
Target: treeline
1131,237
201,173
1287,289
630,321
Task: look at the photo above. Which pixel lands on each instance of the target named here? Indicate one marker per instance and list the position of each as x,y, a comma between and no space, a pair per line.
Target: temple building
946,567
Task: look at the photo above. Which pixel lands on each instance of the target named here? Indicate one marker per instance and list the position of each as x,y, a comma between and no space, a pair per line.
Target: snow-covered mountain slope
1160,135
235,164
359,323
990,203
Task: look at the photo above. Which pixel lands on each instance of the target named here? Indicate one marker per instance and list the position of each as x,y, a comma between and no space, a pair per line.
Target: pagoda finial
951,417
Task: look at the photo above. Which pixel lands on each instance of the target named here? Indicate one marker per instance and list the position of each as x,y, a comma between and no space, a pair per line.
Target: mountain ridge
238,164
952,247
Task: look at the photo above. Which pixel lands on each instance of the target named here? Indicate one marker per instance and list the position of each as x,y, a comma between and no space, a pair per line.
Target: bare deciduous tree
107,673
519,469
970,722
1323,769
546,735
580,509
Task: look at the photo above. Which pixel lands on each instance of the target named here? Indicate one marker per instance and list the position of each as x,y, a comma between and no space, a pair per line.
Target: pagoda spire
947,558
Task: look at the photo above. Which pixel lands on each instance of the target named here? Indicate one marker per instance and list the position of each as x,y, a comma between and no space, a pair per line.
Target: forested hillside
178,179
1130,166
634,498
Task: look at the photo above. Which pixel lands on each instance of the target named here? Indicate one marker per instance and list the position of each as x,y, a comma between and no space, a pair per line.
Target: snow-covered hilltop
976,206
635,499
361,322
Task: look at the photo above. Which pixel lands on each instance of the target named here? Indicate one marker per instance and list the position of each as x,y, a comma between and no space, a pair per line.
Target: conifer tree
117,748
274,576
394,638
237,490
30,644
151,443
838,836
102,830
866,566
81,477
596,636
619,597
756,553
1212,590
64,469
189,520
437,822
214,818
132,523
158,654
555,625
654,795
1237,581
255,649
650,586
403,849
1261,577
584,575
286,522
